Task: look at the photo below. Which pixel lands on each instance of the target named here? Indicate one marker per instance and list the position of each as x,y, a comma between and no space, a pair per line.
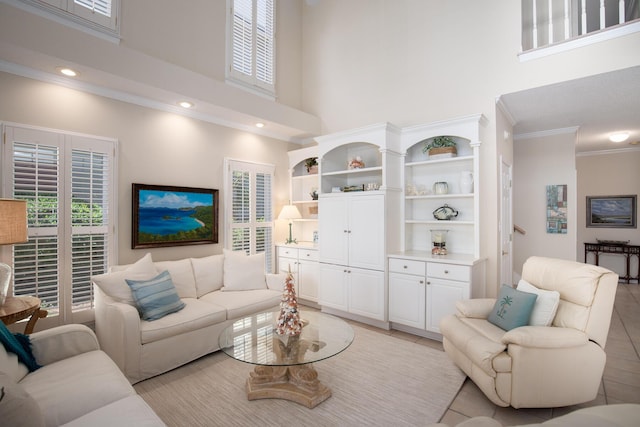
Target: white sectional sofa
215,290
77,385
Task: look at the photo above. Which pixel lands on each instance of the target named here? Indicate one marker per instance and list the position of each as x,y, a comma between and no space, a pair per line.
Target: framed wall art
173,216
612,211
557,209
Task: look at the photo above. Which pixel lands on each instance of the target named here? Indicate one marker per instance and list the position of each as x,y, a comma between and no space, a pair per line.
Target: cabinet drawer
407,266
308,254
449,271
287,252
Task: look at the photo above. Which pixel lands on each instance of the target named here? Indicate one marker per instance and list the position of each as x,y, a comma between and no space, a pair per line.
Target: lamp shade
13,221
289,212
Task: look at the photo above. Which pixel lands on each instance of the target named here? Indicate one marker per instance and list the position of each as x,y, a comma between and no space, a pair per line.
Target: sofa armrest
275,281
545,337
118,331
478,308
62,342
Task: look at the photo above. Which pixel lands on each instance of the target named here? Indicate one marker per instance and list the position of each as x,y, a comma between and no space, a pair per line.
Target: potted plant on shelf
440,146
312,165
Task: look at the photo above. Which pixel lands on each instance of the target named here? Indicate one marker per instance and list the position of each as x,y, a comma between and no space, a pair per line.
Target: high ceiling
597,105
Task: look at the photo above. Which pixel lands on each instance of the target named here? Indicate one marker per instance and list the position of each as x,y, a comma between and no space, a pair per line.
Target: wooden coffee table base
297,383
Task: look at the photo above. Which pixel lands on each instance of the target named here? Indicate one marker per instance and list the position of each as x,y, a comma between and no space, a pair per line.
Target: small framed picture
612,211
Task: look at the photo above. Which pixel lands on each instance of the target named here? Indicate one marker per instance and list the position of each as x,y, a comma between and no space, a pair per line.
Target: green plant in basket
440,145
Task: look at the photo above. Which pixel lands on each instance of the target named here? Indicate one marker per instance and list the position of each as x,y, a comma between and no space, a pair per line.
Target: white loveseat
215,290
77,385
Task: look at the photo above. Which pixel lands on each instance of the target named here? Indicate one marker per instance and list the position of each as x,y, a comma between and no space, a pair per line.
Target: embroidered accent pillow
544,310
512,308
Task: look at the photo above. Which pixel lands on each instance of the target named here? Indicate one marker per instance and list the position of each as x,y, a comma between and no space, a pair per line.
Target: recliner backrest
587,293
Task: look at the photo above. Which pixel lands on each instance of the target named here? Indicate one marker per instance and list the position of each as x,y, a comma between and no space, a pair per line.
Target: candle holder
439,240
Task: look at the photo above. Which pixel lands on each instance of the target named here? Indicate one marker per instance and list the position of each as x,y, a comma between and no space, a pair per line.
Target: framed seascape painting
173,216
612,211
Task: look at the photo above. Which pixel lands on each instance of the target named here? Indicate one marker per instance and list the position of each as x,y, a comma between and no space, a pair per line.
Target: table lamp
290,212
13,229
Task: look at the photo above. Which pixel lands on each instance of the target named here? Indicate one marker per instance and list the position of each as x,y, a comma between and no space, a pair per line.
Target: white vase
466,182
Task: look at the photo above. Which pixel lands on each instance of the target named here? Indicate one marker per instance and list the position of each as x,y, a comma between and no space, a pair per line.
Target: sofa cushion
114,285
243,272
17,407
544,310
244,303
208,273
130,411
512,308
182,275
195,315
72,387
156,297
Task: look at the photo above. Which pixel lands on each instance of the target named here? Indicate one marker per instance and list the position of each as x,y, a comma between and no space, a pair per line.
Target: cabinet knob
405,266
345,231
308,254
428,282
421,282
446,272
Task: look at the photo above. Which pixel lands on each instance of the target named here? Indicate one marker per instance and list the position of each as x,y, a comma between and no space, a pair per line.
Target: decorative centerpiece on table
289,322
440,146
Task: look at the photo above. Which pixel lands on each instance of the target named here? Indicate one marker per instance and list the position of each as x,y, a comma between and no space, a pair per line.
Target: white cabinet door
333,287
333,230
407,295
366,293
308,272
441,300
366,232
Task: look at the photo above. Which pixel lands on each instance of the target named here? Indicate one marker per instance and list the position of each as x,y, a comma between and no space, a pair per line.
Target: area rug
380,380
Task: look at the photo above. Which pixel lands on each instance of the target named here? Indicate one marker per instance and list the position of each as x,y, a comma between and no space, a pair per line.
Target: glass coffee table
285,363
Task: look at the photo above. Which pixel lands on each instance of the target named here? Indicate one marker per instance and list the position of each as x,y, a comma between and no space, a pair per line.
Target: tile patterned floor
620,384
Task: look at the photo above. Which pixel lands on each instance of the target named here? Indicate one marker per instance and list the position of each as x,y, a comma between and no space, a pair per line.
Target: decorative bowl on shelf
356,163
445,213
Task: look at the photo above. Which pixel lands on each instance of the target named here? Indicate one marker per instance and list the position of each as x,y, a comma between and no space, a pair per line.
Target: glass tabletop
253,339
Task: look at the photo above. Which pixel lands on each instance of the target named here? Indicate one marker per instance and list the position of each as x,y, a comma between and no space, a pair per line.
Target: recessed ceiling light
185,104
67,71
619,137
260,125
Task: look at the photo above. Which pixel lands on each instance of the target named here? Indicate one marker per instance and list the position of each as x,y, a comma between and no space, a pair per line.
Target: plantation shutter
90,172
253,42
250,223
36,173
68,183
99,15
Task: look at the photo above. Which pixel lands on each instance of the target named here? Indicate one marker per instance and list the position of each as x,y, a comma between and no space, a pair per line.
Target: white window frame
67,143
77,16
252,225
251,81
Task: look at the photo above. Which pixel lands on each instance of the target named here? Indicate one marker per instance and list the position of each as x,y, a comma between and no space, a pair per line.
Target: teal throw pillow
512,309
20,345
155,298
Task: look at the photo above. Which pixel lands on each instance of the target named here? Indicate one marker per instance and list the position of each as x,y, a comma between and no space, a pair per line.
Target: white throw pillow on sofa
242,272
546,305
181,275
114,284
208,272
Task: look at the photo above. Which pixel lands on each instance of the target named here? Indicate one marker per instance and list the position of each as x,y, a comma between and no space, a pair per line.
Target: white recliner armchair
538,366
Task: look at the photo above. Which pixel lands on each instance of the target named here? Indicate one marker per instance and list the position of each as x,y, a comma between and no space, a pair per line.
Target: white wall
540,161
418,61
155,148
608,175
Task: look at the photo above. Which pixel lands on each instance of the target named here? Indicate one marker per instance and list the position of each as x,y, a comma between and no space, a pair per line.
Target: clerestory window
251,44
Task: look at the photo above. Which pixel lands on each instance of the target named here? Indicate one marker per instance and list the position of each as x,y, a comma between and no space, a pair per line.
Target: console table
629,251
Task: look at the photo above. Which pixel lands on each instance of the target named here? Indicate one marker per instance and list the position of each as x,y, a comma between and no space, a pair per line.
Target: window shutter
251,208
36,180
102,7
90,173
252,43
